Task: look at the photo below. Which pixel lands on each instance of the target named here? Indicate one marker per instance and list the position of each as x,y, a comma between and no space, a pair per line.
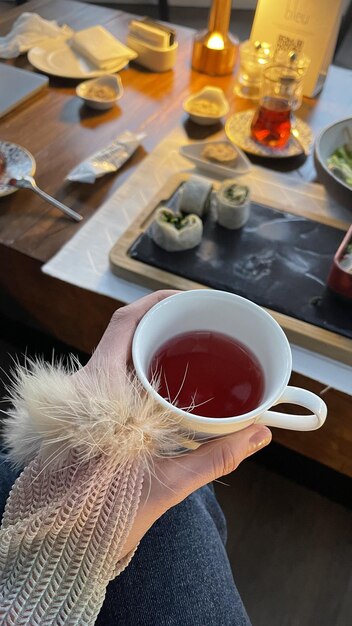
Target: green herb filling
236,194
340,163
176,219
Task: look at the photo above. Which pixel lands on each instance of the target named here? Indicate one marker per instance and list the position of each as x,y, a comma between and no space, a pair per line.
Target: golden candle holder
215,50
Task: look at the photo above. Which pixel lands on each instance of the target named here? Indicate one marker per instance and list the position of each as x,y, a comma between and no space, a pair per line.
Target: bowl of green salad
333,159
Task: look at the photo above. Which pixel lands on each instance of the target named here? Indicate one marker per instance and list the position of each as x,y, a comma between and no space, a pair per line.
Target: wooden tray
304,334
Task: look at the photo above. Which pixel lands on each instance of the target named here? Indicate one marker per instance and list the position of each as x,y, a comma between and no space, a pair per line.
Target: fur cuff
57,409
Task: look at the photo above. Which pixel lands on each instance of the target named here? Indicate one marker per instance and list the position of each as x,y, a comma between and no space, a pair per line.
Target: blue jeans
180,574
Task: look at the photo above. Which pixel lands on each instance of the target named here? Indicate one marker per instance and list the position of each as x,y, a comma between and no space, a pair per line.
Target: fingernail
259,439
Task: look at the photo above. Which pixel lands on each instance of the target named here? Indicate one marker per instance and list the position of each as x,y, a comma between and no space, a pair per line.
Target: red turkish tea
271,125
208,373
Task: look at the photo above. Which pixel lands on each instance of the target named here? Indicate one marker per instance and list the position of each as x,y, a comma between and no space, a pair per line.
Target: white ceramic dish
58,59
111,81
154,59
240,165
213,95
326,143
238,130
19,162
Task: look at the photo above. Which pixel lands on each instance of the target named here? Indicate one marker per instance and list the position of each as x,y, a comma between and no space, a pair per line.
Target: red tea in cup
271,125
208,373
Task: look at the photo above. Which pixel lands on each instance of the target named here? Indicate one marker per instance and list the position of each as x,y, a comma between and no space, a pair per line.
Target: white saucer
55,57
240,165
19,162
238,130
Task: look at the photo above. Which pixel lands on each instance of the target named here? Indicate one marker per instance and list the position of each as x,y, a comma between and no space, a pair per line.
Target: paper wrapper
107,160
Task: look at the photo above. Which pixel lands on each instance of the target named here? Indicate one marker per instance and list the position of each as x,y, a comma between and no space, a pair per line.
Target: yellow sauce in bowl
201,106
100,92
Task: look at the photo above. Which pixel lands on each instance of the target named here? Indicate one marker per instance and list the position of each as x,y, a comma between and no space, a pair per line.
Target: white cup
219,311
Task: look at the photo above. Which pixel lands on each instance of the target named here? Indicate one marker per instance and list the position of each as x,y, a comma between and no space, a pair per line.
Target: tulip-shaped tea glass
271,124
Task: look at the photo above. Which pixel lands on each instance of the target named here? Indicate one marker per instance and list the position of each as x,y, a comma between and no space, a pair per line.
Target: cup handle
302,397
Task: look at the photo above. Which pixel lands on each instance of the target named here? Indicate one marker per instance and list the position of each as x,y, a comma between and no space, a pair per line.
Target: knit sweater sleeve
62,539
85,440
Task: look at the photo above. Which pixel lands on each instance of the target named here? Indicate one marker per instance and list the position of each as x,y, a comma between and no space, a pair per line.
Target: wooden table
60,132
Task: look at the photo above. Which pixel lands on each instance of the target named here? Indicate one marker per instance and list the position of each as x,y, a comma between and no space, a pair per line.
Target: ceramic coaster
238,130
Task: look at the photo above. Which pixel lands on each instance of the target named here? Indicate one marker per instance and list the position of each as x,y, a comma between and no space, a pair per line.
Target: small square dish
217,157
207,106
101,93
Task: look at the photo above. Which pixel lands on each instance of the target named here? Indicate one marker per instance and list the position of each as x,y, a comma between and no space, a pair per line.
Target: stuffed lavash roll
195,195
174,232
232,204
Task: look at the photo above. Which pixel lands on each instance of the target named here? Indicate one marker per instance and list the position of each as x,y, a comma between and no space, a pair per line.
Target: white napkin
101,48
28,31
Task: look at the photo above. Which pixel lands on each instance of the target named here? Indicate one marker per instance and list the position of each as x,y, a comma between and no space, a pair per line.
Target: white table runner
84,262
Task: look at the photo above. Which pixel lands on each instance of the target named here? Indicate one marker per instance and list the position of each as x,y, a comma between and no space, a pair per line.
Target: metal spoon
296,137
28,182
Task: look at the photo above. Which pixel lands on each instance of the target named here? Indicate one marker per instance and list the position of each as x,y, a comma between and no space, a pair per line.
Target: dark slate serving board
278,260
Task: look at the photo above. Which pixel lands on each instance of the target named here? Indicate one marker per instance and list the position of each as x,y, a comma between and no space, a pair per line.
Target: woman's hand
74,510
173,479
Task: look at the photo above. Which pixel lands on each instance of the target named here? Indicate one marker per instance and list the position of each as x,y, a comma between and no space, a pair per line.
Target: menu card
309,26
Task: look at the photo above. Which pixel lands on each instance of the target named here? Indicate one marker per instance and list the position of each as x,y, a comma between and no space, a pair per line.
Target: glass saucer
238,130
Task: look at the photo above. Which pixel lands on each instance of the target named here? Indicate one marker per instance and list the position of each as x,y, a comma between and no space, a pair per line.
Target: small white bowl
110,82
213,95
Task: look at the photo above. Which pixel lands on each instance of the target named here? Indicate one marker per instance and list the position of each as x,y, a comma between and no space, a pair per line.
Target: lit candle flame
216,42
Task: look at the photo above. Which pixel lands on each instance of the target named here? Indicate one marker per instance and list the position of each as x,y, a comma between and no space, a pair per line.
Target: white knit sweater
86,442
